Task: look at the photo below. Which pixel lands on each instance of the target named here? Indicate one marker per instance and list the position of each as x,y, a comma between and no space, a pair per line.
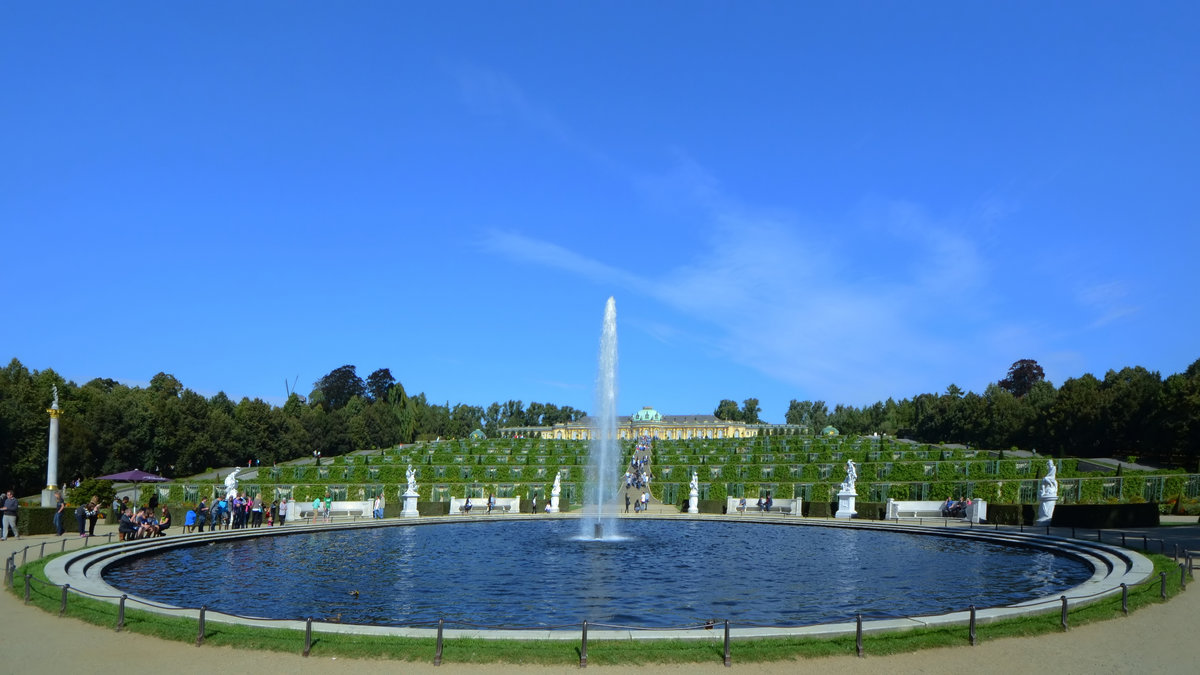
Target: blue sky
841,201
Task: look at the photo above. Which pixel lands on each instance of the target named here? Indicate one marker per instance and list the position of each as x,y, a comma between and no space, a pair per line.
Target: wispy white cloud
1109,301
805,303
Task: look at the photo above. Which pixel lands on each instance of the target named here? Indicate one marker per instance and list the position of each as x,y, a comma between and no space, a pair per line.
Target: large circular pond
541,573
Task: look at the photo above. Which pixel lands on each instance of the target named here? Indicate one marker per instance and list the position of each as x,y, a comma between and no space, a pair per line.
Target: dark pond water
533,573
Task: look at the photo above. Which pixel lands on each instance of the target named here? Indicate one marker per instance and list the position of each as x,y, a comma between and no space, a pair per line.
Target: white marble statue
851,477
231,490
412,480
54,388
1047,495
555,491
1050,480
694,494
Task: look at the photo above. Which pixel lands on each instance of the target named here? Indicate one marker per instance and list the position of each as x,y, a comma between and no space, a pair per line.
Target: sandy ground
1157,639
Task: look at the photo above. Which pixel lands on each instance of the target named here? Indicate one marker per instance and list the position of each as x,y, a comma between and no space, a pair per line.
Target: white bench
976,512
787,506
303,510
479,505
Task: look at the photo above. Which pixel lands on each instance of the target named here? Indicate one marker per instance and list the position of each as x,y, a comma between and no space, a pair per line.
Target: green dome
647,414
829,431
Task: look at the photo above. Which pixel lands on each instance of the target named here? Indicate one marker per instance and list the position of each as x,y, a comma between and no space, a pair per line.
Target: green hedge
1102,516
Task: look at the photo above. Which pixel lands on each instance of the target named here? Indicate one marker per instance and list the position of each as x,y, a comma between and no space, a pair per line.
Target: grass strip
563,652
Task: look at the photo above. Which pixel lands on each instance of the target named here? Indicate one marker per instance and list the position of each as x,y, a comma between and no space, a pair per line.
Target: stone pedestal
1045,509
846,500
410,505
553,508
694,502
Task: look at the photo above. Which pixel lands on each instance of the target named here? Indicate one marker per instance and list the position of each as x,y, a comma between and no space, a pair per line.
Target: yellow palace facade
649,422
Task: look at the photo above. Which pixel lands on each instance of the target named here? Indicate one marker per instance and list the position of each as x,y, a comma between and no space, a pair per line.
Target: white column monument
847,495
694,495
1047,495
52,452
410,495
554,493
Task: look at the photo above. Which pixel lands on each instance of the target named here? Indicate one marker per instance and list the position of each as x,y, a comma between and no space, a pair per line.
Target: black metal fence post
42,554
121,613
972,625
62,610
728,656
858,634
63,547
437,655
1125,599
1182,577
24,554
1064,611
1122,539
200,634
1162,585
1146,543
28,577
583,648
307,636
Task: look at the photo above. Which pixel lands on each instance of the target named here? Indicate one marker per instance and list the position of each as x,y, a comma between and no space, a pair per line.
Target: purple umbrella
136,476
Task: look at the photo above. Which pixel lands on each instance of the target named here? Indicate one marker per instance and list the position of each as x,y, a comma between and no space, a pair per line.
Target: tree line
166,428
108,427
1132,412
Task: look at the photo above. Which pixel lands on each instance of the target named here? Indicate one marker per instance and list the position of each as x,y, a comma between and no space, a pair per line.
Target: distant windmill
292,389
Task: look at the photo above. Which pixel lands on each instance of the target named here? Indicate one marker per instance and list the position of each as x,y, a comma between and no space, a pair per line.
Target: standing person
626,502
60,507
491,502
376,512
93,514
645,501
9,509
533,507
283,510
81,519
256,512
201,514
328,509
316,509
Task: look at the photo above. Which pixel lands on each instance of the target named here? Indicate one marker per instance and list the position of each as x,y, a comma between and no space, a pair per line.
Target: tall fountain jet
600,512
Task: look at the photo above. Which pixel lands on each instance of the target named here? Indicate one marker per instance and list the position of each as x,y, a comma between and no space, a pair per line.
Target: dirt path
1157,639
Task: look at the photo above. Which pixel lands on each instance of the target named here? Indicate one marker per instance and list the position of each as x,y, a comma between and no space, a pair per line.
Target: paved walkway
1157,639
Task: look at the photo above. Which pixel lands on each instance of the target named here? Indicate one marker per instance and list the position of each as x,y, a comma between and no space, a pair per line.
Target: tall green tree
338,387
750,411
728,410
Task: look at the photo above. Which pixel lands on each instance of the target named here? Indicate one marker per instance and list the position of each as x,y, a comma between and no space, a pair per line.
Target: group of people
956,509
638,476
640,502
143,524
235,513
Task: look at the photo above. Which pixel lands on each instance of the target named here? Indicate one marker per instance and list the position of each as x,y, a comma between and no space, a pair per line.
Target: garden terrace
788,466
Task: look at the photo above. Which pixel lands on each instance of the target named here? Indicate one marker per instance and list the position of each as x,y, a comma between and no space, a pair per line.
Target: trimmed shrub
1101,516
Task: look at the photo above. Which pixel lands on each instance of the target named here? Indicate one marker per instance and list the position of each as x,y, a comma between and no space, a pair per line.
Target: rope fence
47,589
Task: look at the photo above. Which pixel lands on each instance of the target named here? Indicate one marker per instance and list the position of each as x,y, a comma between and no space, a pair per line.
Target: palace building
649,422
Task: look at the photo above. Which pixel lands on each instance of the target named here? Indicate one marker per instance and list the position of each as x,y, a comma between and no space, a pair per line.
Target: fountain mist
600,494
